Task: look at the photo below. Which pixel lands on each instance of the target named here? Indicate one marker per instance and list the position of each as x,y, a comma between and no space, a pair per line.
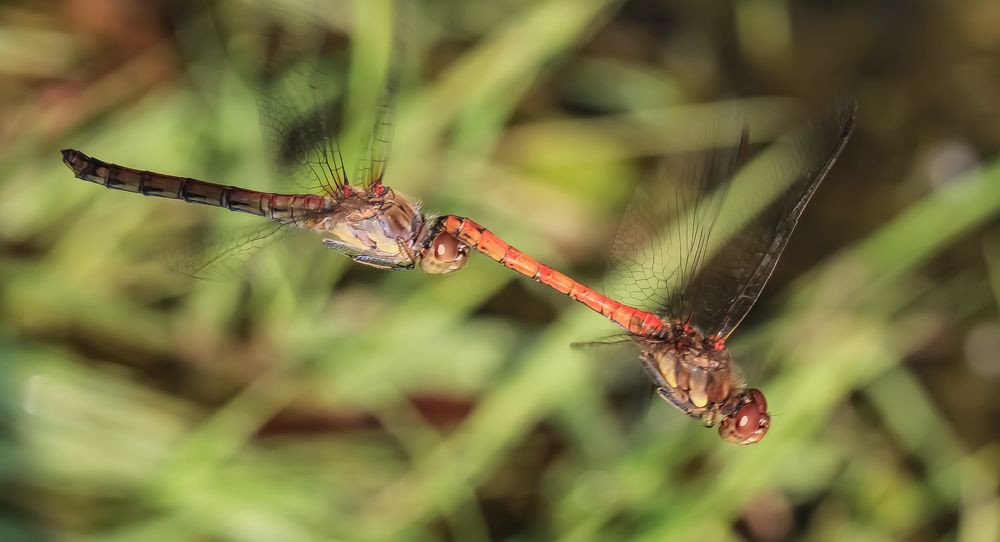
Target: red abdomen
633,320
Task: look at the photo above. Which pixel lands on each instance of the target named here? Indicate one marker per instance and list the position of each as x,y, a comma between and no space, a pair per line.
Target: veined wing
227,258
664,235
299,119
306,103
374,155
669,255
731,280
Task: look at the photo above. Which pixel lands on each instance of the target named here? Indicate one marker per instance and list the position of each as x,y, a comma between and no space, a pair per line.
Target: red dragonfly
685,300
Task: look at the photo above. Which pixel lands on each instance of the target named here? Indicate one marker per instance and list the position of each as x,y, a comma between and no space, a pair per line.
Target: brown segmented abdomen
279,207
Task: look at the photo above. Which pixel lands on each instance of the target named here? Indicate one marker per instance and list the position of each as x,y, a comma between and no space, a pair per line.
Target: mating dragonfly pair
679,297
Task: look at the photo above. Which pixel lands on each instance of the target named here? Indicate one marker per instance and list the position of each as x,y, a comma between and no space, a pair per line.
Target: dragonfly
685,299
357,215
372,224
677,300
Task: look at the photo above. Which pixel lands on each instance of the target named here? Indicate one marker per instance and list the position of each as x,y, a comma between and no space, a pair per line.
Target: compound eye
445,254
445,247
749,423
747,420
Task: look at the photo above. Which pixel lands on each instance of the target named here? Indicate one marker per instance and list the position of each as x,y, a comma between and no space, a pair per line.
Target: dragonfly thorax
696,375
690,372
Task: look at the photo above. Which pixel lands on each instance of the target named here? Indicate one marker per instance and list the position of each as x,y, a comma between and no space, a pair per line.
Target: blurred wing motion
664,257
302,93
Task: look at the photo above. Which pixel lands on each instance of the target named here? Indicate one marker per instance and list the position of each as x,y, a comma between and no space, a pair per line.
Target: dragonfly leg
404,249
376,260
669,397
382,263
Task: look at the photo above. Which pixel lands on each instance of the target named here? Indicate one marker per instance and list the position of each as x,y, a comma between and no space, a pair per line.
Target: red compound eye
444,254
445,247
749,423
747,420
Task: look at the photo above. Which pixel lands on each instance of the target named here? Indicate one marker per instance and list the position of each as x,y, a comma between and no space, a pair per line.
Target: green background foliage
306,398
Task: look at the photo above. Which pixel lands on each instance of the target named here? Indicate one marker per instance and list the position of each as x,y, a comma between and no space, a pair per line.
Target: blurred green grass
318,401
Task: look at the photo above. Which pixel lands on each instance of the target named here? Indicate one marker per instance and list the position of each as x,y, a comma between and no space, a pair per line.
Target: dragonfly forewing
732,278
665,232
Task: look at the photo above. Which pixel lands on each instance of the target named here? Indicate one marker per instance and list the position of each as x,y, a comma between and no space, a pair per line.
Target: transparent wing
374,156
629,390
766,214
226,259
665,231
299,95
308,97
302,144
672,253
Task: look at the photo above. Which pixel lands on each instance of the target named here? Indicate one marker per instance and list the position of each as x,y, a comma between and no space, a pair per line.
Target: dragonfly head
443,254
750,422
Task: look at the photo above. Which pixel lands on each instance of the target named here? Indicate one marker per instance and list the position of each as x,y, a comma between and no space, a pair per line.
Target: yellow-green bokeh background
316,400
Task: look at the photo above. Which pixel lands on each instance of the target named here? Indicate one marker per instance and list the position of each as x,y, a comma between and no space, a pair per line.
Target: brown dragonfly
373,224
299,103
